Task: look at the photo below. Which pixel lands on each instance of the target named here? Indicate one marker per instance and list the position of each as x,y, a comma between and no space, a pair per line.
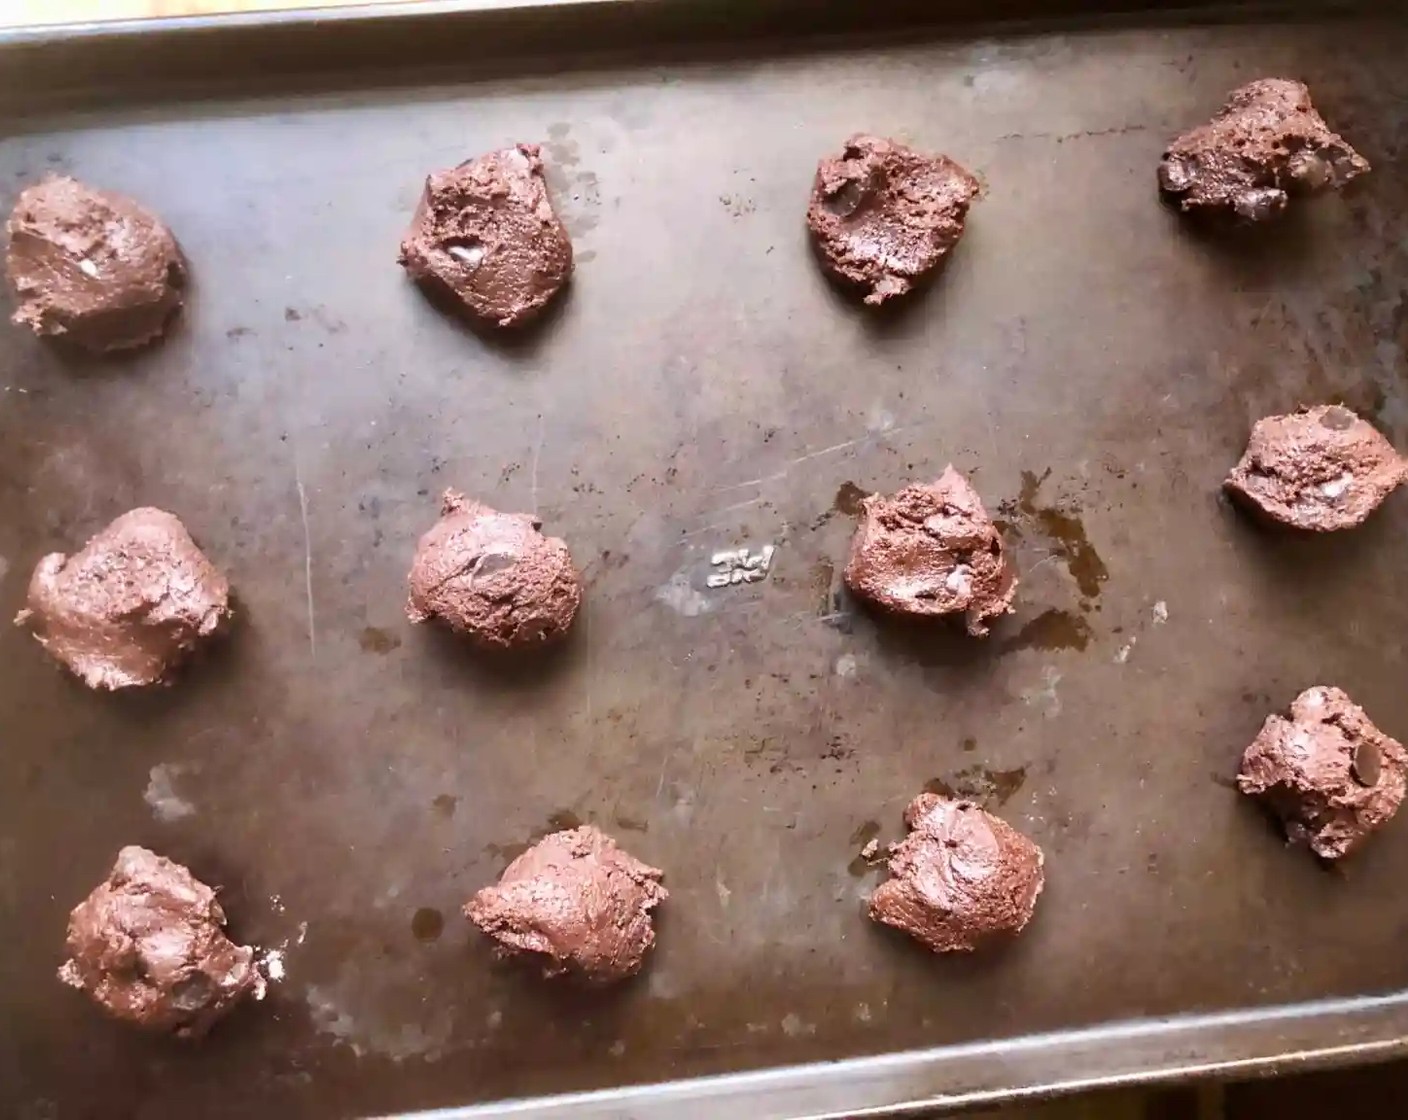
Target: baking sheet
349,781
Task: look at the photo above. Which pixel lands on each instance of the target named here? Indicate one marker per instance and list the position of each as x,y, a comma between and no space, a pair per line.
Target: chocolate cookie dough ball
130,606
486,238
1266,145
1319,469
577,904
1329,774
884,216
91,267
494,577
148,946
961,878
931,550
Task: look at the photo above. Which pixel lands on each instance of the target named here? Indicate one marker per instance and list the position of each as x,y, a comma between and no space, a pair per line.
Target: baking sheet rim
1240,1043
350,12
1267,1041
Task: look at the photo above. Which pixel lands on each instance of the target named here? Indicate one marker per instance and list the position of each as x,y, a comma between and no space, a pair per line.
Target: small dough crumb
148,946
1266,145
1328,773
577,903
884,216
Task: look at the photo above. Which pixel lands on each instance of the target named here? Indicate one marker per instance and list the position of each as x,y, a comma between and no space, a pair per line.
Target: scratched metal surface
348,781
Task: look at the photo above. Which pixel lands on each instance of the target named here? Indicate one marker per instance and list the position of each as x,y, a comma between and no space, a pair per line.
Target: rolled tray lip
1245,1042
352,14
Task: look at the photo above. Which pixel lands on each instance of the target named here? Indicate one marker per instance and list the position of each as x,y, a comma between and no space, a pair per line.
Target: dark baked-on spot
1266,145
576,903
960,879
493,577
486,237
148,945
1327,772
91,267
1319,469
883,215
129,607
930,550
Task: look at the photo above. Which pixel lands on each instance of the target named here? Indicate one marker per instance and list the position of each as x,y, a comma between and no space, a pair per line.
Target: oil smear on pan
987,787
1050,630
161,797
1045,697
351,1010
682,597
1063,528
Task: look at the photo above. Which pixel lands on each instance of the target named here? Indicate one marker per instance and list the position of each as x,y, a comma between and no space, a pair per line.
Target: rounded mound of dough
576,902
148,946
884,216
485,237
1328,773
130,606
91,267
494,577
931,550
1320,469
960,879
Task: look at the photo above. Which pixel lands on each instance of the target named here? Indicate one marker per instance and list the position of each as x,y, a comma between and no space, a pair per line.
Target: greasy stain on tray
847,502
375,640
866,833
508,852
1050,630
427,924
560,821
989,788
823,575
863,835
1070,542
848,499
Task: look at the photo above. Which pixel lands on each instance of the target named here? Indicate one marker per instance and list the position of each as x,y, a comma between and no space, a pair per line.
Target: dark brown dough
1319,469
131,605
960,879
1266,145
485,236
576,903
494,577
148,946
1327,772
929,550
91,267
883,216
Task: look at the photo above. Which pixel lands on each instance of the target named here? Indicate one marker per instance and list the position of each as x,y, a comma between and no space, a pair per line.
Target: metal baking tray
349,781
